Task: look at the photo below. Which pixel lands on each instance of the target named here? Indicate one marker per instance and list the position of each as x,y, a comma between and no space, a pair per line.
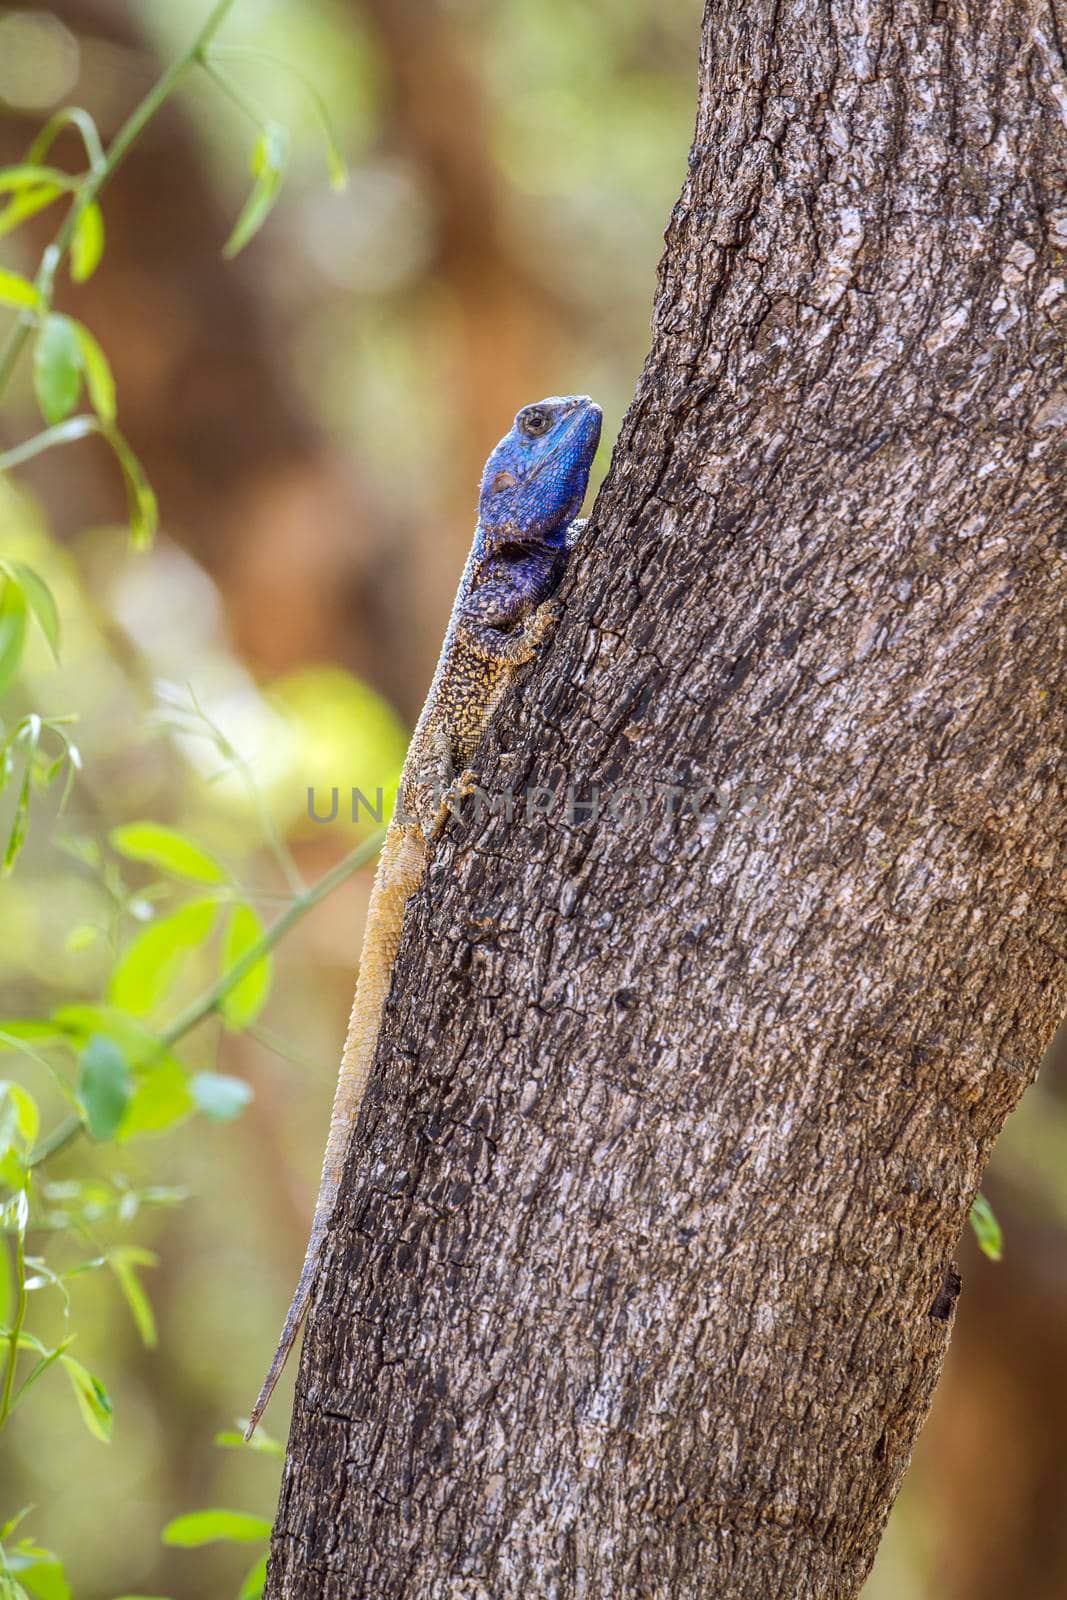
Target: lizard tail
293,1318
400,870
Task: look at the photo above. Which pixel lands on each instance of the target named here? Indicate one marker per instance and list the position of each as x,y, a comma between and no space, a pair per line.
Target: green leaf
150,965
28,1028
218,1096
27,204
14,615
165,847
33,187
40,600
48,1359
19,1116
141,503
17,291
30,738
57,368
13,1522
94,1402
124,1263
161,1099
105,1086
141,1047
261,1441
161,1094
98,377
987,1229
255,1580
19,1121
207,1527
25,174
40,1570
245,1000
87,244
269,160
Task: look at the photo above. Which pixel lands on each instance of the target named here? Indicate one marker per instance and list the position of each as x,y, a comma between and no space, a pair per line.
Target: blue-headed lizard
532,488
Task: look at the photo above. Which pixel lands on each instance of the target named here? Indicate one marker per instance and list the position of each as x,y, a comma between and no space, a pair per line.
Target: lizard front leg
513,648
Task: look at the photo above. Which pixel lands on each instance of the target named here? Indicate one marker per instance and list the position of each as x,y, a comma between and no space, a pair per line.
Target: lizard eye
535,422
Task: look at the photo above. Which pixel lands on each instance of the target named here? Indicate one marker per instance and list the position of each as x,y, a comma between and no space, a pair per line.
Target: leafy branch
214,998
67,357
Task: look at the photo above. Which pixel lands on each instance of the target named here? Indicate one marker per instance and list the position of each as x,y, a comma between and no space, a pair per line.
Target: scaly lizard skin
533,485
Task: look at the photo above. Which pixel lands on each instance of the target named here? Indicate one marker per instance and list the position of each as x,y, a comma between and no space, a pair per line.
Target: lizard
531,491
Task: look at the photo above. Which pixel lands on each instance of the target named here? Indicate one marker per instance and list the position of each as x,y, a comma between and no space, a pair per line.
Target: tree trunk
644,1273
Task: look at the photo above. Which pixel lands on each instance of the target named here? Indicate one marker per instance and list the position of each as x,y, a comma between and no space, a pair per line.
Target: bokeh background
314,417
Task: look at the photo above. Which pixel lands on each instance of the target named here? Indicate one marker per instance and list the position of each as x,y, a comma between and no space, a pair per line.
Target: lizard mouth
511,550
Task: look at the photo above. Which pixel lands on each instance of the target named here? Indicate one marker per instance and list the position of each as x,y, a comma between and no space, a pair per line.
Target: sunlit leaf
105,1086
19,1117
17,291
255,1580
24,174
45,1362
98,378
165,847
30,738
141,504
87,245
57,368
28,1028
94,1402
27,204
41,1571
14,615
245,1000
269,160
161,1099
261,1441
32,187
141,1047
218,1096
14,1215
19,1121
987,1229
124,1262
12,1523
40,600
207,1527
161,1095
149,967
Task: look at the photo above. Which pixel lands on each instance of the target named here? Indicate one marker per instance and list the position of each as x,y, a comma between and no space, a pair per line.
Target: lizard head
535,480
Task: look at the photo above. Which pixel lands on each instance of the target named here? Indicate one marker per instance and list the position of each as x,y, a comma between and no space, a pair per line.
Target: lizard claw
449,806
537,625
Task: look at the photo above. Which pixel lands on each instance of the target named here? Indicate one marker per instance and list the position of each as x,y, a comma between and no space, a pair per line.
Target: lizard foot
537,625
459,789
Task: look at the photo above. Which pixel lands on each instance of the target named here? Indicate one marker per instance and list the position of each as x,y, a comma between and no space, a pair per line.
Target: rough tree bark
644,1273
